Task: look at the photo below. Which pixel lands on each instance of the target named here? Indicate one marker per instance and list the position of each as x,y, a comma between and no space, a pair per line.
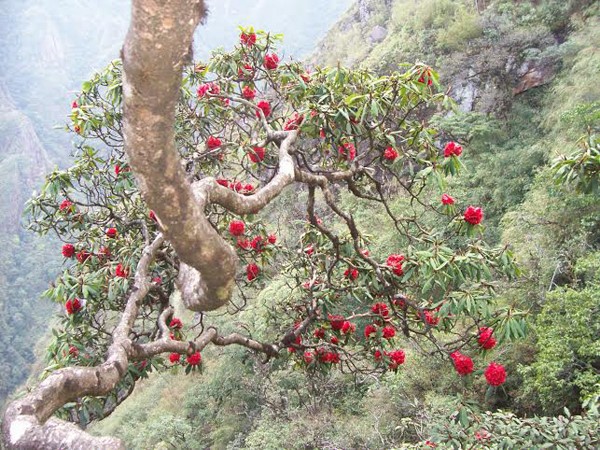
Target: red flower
336,321
309,250
222,182
390,154
447,200
68,250
377,355
397,357
462,363
452,149
252,271
111,232
328,356
83,255
265,107
431,319
485,339
473,215
308,357
117,170
213,142
74,105
395,262
157,280
322,133
104,252
257,154
211,88
247,188
73,306
248,93
426,77
176,323
319,333
121,271
73,351
152,216
271,61
174,358
77,129
194,359
348,327
244,244
66,205
388,332
272,239
369,330
246,73
236,227
334,340
381,309
347,150
351,273
248,39
495,374
257,244
293,122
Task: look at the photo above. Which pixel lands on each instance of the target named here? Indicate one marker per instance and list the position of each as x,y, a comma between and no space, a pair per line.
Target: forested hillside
525,77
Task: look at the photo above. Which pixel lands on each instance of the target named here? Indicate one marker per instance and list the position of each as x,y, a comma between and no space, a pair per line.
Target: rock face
378,34
534,73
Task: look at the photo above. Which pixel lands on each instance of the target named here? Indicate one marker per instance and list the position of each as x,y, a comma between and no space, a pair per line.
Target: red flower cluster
73,351
83,256
174,358
377,355
271,61
293,122
348,327
447,200
309,250
390,154
248,39
257,154
248,93
152,216
347,150
473,215
431,318
73,306
176,323
194,359
211,88
395,262
319,333
213,142
68,250
265,107
111,233
272,239
369,330
485,338
66,205
246,73
351,273
236,227
236,186
308,357
452,149
462,363
336,321
495,374
397,357
388,332
252,271
327,356
426,77
121,271
380,309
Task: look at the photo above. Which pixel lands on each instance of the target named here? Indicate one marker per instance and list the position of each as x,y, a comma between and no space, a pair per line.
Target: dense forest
524,76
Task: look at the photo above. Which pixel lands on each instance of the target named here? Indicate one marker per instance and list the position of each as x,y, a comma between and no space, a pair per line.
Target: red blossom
236,227
257,154
322,133
104,252
473,215
462,363
73,306
334,340
348,327
452,149
121,271
176,323
271,61
308,357
252,271
74,105
73,351
77,129
425,77
152,216
447,200
174,358
265,107
377,355
211,88
111,233
431,318
336,321
495,374
351,273
319,333
213,142
157,280
309,250
293,122
388,332
397,358
248,93
257,244
380,309
248,39
395,262
369,330
390,154
246,73
485,338
244,244
66,205
68,250
347,150
83,256
194,359
272,239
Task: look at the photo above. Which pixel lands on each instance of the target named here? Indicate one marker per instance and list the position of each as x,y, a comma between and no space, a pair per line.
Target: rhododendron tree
202,149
